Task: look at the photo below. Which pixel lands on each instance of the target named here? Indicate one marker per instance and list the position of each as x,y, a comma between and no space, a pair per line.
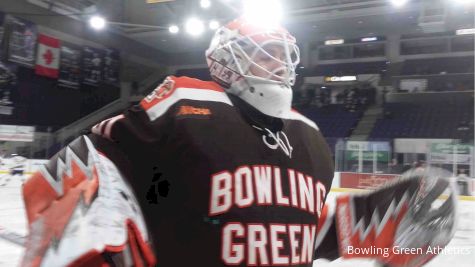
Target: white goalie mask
256,64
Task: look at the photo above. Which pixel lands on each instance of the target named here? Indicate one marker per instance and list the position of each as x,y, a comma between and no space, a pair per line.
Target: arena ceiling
308,20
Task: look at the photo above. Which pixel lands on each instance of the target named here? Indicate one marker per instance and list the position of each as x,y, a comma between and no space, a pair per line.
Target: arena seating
408,120
430,66
348,68
333,120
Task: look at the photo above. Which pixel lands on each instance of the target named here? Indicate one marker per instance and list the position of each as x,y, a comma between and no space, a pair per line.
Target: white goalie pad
83,207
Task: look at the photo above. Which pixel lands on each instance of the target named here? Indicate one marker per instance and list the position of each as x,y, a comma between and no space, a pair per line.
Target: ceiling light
465,31
194,27
265,13
213,25
399,3
205,3
340,79
369,39
173,29
97,22
334,42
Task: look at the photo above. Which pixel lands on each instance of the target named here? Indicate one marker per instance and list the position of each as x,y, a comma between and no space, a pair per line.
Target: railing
89,120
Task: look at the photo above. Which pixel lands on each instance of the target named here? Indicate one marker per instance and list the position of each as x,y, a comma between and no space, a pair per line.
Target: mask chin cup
272,98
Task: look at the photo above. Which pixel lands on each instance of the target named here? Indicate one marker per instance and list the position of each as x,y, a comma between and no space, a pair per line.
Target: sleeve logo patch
162,91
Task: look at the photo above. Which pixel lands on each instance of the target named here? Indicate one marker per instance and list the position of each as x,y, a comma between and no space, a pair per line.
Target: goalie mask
255,64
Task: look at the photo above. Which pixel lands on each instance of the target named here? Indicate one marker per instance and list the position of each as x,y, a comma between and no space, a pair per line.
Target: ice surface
12,218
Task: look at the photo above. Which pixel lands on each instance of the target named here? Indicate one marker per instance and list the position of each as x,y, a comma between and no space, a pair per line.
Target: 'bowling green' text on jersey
215,189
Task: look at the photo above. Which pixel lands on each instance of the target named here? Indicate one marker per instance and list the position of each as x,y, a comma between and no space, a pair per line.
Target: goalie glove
405,223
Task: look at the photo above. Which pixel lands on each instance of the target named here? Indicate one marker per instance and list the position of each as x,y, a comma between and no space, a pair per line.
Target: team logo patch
162,91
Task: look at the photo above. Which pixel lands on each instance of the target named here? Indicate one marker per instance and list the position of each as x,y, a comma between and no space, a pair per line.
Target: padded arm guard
81,212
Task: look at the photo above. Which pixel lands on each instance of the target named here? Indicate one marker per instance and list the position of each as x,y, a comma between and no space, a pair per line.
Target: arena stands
444,65
333,120
409,120
348,68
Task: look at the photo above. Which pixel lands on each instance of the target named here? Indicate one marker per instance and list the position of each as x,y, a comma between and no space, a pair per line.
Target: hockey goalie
223,173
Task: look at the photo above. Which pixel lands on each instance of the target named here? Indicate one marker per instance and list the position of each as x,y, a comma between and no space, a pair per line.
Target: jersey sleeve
144,124
147,132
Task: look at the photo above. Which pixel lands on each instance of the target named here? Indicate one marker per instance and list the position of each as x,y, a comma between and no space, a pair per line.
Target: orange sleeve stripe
183,82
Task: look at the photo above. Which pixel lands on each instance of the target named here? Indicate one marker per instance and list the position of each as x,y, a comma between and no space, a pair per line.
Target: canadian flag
47,60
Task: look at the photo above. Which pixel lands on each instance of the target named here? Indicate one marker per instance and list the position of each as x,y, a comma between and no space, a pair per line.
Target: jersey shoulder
174,89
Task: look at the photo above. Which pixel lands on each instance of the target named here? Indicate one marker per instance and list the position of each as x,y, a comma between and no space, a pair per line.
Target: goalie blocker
405,223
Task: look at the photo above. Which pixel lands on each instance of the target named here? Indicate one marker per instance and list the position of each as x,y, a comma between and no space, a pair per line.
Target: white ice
12,218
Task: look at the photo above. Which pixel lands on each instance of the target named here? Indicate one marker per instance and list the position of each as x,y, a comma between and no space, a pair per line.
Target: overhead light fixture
465,31
97,22
399,3
205,3
265,13
173,29
369,39
158,1
213,25
334,42
340,78
194,27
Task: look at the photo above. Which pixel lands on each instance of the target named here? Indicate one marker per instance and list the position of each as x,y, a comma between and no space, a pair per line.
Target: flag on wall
47,59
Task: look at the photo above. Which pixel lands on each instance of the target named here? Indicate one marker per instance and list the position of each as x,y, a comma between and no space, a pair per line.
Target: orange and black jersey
217,182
